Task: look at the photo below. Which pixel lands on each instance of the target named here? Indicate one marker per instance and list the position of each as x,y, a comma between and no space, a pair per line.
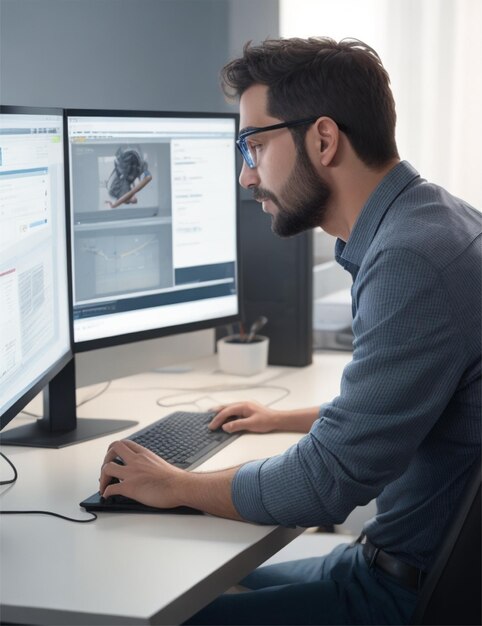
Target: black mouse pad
121,504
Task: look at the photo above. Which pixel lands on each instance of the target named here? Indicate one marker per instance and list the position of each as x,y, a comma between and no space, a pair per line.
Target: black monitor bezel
58,365
154,333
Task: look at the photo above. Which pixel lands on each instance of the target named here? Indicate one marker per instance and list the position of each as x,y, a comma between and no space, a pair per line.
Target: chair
451,593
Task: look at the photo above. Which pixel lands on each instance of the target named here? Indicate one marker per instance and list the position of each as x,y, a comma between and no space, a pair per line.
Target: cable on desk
69,519
15,473
30,414
206,389
96,395
214,389
51,513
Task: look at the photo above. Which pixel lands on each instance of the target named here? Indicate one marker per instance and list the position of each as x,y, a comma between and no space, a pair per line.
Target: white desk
133,568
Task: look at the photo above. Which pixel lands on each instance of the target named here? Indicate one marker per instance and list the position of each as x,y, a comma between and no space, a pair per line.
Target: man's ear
327,136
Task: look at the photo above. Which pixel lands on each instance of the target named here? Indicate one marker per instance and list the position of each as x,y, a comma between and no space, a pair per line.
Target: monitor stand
60,426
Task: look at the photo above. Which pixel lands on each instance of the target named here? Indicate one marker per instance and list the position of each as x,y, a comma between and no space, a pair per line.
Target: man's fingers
118,455
124,450
236,425
119,449
226,412
134,447
115,489
111,470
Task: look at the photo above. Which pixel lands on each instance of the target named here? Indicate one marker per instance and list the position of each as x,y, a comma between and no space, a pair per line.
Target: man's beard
302,203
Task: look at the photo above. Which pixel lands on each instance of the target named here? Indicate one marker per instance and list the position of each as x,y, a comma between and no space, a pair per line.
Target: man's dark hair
318,76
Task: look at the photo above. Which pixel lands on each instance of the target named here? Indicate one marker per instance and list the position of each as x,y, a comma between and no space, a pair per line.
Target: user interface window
34,313
153,210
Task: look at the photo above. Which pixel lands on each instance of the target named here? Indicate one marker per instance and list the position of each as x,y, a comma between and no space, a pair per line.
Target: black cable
69,519
15,473
12,480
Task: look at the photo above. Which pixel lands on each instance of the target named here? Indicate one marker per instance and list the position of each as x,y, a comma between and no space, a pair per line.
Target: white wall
432,50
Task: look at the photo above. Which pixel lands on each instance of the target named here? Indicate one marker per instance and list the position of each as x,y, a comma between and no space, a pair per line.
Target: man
318,141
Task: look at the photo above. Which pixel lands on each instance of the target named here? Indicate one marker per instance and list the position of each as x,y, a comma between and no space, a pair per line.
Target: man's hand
145,477
256,418
249,416
142,476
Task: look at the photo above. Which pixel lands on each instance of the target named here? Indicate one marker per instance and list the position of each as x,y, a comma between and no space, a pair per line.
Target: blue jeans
338,588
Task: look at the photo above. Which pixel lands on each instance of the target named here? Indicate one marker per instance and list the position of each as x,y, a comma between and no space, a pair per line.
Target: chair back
451,593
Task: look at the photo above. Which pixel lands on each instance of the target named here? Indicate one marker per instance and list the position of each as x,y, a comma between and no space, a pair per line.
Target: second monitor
154,222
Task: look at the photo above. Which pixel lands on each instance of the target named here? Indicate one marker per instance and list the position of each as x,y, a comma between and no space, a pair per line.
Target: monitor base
35,436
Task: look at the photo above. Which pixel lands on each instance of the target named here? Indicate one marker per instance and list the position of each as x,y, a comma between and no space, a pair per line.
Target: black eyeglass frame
243,146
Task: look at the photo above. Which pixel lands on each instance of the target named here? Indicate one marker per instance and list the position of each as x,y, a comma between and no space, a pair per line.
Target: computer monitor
35,313
154,219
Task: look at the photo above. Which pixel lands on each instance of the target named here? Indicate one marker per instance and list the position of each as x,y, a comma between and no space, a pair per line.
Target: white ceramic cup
242,358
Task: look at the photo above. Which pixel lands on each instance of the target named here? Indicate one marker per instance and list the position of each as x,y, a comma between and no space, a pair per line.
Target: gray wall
127,54
138,54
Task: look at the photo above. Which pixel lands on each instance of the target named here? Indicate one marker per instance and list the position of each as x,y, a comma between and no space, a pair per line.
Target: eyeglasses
250,155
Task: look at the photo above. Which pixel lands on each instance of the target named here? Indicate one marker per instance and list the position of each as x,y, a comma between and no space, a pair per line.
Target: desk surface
134,568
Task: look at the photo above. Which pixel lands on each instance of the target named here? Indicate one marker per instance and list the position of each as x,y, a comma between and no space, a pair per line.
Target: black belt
405,574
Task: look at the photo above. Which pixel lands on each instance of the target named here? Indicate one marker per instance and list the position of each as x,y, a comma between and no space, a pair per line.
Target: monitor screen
35,340
154,220
35,314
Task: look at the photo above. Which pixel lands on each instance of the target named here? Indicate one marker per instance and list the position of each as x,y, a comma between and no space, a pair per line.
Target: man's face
285,180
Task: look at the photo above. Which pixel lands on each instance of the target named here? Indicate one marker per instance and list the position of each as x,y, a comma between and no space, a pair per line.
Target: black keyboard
183,439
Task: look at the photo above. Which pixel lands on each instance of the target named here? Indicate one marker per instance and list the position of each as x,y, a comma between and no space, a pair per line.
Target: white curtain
432,50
